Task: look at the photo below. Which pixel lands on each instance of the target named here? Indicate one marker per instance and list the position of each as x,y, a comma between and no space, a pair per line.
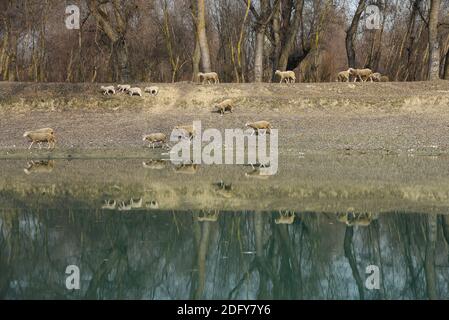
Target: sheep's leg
40,145
31,145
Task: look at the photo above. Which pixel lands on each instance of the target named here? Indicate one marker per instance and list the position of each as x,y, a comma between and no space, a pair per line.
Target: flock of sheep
47,135
362,75
126,88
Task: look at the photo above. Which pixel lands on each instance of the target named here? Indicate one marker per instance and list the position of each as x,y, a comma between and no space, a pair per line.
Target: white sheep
209,76
108,90
124,207
109,205
123,87
360,74
154,91
343,76
287,76
41,135
226,105
375,77
154,138
285,218
208,216
258,126
135,92
136,203
186,131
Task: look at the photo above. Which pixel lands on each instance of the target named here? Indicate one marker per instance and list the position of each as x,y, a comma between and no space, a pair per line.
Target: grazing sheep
343,76
210,76
375,77
154,138
44,166
109,205
41,135
187,168
123,87
384,79
208,216
287,76
227,105
360,74
108,90
186,130
153,204
135,92
136,203
223,189
258,126
259,173
124,207
154,91
285,218
356,219
154,164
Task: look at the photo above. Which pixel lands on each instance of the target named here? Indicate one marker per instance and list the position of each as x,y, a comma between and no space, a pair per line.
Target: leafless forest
242,40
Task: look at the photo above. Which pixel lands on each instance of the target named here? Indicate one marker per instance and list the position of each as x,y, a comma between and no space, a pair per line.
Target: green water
214,233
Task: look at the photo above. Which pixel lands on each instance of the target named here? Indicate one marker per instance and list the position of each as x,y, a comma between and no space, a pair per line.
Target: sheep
124,207
154,164
285,218
360,74
136,204
41,135
223,189
288,76
208,216
153,204
186,130
187,168
259,173
135,92
108,90
226,105
155,138
109,205
356,219
209,76
384,79
152,90
259,125
123,87
375,77
44,166
343,76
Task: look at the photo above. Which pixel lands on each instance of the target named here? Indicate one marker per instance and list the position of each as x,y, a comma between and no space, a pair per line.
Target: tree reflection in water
241,255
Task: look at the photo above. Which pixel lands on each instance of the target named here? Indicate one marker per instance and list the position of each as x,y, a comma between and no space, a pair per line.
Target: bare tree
351,32
434,47
202,37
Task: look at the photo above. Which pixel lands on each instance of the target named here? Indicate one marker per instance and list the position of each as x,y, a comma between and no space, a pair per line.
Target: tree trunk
259,54
196,57
291,36
446,67
260,41
202,37
122,60
434,47
351,32
429,262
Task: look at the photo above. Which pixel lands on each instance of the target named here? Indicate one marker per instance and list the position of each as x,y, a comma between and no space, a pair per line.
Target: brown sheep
41,135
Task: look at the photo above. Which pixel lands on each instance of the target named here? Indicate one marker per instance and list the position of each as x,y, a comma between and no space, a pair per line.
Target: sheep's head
278,72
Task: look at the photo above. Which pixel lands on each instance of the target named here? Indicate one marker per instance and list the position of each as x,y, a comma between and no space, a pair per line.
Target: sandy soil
312,118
